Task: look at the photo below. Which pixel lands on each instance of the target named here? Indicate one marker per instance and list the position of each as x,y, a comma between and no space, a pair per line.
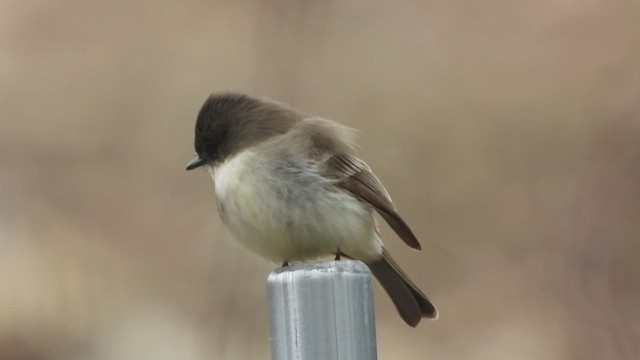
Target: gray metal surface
322,311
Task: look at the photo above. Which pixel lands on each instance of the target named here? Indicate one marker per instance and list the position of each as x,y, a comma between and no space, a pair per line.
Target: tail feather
411,303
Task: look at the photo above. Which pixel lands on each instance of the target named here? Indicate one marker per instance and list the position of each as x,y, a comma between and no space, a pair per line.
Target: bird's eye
211,149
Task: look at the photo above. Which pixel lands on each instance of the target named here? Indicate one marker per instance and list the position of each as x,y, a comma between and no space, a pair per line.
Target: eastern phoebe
290,188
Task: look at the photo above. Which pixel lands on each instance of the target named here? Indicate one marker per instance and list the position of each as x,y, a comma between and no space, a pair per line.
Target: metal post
322,310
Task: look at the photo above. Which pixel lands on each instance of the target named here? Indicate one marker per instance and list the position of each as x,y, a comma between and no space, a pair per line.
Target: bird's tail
411,303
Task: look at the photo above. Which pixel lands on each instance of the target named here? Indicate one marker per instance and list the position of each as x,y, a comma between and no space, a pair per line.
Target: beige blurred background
507,132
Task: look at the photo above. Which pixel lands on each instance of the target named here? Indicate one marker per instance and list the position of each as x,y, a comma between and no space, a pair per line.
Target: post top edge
338,266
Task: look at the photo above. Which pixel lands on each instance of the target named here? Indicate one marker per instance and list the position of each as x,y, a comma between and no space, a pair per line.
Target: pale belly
288,213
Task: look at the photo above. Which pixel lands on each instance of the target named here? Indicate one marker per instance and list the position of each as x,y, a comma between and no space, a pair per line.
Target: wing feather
355,176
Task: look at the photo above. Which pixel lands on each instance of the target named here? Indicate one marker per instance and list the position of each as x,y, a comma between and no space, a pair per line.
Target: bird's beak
196,162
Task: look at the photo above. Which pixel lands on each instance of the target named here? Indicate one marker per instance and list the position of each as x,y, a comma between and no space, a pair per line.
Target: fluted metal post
322,310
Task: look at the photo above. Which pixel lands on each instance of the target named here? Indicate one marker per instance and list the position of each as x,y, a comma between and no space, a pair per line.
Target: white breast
288,213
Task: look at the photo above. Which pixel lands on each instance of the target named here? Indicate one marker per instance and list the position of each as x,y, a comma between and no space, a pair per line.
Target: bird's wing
355,176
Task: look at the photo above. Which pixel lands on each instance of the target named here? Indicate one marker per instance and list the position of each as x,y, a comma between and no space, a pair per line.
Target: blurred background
508,134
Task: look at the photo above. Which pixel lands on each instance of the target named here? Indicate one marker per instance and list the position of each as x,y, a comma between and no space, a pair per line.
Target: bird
289,187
